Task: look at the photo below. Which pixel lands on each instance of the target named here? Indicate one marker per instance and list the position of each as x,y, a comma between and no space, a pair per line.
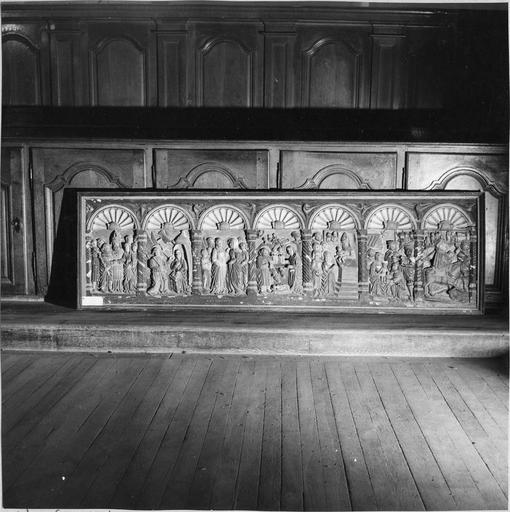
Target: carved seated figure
378,286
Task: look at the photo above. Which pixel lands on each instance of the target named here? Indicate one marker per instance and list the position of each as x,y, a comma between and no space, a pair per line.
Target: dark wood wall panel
323,170
121,67
207,168
279,89
334,63
349,59
228,64
21,71
172,69
387,70
66,66
428,67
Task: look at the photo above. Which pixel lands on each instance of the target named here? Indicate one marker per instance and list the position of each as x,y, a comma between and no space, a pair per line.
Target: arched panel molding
202,169
312,53
331,170
486,183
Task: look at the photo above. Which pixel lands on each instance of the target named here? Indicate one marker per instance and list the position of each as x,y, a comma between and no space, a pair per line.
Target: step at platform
43,326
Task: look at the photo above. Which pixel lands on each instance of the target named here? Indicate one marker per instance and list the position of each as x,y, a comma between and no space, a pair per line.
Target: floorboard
204,431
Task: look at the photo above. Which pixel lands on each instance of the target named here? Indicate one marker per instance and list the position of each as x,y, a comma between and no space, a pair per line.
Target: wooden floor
253,432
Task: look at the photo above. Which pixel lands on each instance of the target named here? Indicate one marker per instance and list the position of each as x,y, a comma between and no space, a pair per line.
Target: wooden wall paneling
56,170
67,65
17,276
122,69
172,65
25,74
387,70
279,66
427,64
228,64
334,66
341,170
485,172
207,168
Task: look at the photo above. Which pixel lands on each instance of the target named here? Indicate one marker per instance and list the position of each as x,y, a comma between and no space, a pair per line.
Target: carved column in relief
88,263
142,257
306,237
473,239
251,235
419,240
196,247
363,280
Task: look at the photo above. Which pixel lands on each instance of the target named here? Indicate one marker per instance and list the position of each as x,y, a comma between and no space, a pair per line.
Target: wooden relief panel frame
387,251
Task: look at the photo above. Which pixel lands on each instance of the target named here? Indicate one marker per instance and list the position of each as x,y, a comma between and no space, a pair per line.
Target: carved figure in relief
243,263
330,271
95,253
105,284
264,277
447,264
316,272
159,272
439,256
292,263
130,265
117,266
206,265
235,284
459,274
178,275
397,285
219,268
409,268
377,276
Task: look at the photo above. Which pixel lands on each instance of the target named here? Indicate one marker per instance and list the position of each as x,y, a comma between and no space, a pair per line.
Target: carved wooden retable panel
388,251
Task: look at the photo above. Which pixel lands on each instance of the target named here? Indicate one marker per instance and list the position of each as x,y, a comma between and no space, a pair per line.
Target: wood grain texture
196,431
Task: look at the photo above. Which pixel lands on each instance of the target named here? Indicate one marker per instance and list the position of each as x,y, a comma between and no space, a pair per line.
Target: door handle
16,224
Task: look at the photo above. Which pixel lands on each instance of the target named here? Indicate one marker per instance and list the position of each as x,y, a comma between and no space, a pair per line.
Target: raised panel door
121,65
334,67
228,64
21,73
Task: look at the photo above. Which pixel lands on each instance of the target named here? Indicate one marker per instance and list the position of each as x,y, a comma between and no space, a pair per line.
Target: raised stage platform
42,326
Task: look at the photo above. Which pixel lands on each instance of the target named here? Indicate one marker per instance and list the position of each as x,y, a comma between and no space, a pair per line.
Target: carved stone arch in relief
169,216
486,184
331,170
223,217
208,169
334,217
112,218
278,217
446,217
390,217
